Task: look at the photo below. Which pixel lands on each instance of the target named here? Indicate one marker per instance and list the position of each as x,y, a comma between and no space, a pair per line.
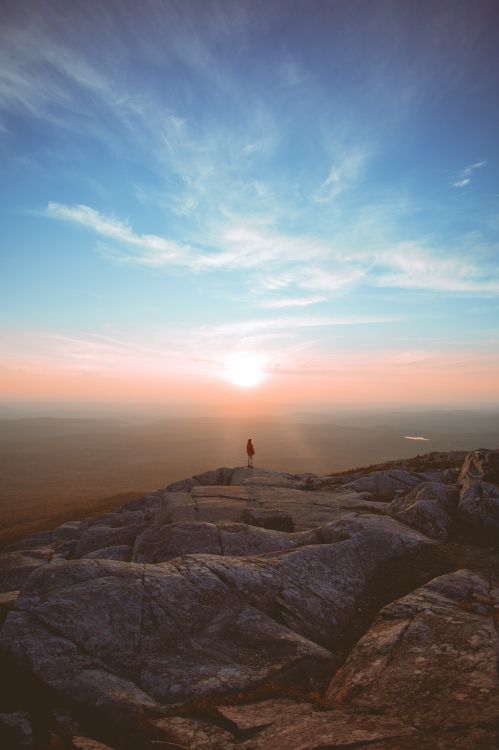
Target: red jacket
249,448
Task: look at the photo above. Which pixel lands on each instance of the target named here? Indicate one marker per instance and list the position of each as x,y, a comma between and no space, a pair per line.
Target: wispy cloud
409,266
147,249
290,262
277,304
344,173
244,244
463,177
292,323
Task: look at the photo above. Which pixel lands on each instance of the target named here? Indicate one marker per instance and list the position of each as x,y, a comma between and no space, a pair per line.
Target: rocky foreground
253,610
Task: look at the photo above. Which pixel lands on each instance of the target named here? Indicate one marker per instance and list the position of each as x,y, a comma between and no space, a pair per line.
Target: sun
245,369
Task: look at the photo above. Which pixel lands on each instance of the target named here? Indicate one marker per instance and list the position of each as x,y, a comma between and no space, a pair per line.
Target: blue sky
314,184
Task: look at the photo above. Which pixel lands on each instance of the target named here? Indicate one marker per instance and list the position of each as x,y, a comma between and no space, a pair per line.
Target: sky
255,204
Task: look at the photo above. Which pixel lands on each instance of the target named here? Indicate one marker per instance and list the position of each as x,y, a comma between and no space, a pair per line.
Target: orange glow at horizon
377,382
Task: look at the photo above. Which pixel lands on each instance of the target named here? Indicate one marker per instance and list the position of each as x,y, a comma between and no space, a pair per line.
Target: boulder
125,638
61,538
147,502
7,602
479,505
481,464
384,485
121,552
176,507
183,485
99,537
314,483
17,566
121,518
219,476
214,477
267,518
429,660
128,639
430,507
160,543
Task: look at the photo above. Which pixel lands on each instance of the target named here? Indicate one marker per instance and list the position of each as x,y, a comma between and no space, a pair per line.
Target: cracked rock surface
430,507
262,610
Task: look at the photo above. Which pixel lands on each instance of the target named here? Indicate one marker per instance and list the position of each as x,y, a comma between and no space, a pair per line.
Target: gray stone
479,504
429,659
17,566
121,518
176,507
98,537
127,639
430,507
267,518
61,538
385,484
161,543
243,475
221,503
121,552
219,476
147,502
312,509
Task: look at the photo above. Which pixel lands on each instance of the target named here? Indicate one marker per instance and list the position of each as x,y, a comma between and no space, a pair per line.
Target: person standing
251,452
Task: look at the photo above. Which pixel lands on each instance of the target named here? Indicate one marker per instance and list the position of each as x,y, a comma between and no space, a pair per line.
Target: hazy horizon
223,410
56,468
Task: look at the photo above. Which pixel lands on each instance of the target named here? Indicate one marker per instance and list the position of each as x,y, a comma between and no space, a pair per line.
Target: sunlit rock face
246,608
481,464
429,659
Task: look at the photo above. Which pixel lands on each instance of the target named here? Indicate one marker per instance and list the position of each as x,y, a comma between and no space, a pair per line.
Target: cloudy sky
285,201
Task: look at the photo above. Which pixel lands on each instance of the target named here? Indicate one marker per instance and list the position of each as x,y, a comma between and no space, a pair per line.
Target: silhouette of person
251,452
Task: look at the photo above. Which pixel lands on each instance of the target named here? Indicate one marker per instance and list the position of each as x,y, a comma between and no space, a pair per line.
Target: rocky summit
247,609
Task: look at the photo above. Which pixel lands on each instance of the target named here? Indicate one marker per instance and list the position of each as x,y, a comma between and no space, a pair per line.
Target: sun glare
245,370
